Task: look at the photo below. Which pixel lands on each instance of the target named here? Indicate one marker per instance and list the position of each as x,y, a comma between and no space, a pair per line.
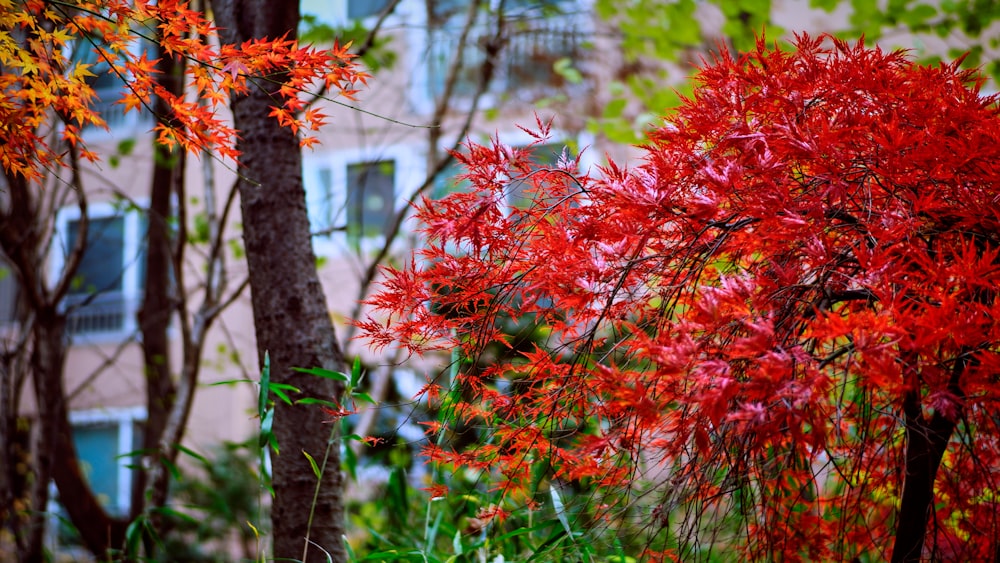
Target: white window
8,294
353,196
343,13
104,440
540,34
110,87
357,9
370,198
544,155
106,290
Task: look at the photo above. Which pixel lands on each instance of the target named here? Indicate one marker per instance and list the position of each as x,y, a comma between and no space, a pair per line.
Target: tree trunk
154,316
57,454
926,442
290,312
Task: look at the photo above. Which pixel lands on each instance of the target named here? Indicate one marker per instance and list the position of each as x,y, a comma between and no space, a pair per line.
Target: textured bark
290,312
20,239
98,530
926,442
23,225
154,316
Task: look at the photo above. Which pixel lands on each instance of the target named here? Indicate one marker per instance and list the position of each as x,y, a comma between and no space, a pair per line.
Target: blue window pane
370,198
102,265
97,447
363,8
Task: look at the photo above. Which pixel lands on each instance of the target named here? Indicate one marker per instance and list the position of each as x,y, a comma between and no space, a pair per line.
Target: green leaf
615,108
312,463
265,383
351,463
279,390
265,427
363,397
281,395
167,511
193,454
229,382
564,68
918,16
125,146
175,472
323,372
560,509
351,556
315,401
133,535
272,442
356,372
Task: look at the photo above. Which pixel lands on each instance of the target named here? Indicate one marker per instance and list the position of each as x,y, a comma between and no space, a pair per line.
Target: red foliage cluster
772,328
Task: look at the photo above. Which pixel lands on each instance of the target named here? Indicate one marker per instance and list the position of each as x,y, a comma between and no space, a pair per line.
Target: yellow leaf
27,62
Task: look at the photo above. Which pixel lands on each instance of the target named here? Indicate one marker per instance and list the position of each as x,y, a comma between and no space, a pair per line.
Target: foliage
650,33
216,499
754,334
41,77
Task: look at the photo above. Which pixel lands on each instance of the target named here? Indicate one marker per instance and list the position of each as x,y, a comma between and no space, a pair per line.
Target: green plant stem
319,482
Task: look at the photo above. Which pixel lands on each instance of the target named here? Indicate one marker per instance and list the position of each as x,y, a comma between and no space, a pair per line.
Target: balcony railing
104,313
531,48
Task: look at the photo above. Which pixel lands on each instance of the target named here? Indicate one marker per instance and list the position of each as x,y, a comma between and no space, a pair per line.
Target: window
110,87
357,9
543,156
101,446
370,198
353,195
8,294
344,13
539,33
105,292
103,439
448,180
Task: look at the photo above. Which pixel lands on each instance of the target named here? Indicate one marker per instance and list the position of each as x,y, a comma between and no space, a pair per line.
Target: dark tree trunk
290,312
154,316
926,443
57,454
54,454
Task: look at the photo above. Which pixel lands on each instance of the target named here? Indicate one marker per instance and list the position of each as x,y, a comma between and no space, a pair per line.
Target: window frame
429,80
519,140
126,419
409,170
122,124
335,12
133,242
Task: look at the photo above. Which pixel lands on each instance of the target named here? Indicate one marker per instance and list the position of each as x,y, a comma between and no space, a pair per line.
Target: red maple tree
777,334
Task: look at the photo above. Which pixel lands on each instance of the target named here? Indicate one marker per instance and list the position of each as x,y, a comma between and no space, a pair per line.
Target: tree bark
157,308
57,455
22,235
291,319
926,443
